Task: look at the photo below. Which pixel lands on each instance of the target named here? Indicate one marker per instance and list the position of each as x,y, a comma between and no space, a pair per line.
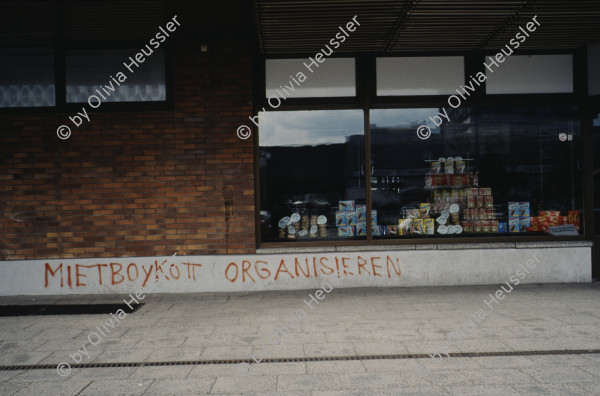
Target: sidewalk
364,326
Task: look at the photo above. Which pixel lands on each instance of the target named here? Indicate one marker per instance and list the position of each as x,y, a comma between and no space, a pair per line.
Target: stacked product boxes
346,219
551,218
351,220
519,216
417,221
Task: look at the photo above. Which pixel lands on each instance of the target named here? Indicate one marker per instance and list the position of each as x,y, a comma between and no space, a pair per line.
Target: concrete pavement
376,330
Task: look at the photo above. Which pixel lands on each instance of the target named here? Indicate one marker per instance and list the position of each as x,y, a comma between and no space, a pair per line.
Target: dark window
97,73
27,78
312,175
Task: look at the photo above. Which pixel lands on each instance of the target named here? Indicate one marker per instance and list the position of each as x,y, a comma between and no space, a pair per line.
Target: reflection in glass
312,178
466,176
88,71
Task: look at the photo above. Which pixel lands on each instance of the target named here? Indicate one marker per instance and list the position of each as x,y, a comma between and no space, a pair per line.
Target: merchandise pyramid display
457,203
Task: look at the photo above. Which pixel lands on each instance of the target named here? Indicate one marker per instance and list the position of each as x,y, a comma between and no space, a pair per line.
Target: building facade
269,146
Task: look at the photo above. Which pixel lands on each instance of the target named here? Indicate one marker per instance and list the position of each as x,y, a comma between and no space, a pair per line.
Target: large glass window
27,78
494,171
95,72
486,171
312,176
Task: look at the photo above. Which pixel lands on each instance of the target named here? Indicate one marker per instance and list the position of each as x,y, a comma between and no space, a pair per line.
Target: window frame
61,104
367,99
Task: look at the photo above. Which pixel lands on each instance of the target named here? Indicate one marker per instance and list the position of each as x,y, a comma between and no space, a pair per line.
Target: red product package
574,218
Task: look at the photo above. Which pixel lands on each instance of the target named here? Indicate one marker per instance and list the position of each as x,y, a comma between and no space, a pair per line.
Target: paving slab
67,388
494,376
437,377
330,349
487,390
405,390
160,372
23,357
108,387
180,387
335,367
375,381
11,388
103,373
308,382
571,389
553,375
255,384
293,368
124,356
377,348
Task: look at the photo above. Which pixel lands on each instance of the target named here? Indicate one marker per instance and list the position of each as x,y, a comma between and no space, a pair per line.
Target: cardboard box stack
346,219
548,218
377,230
351,219
417,221
519,216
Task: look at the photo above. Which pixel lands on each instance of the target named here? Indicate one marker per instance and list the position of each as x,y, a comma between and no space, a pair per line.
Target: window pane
531,74
88,71
312,182
333,77
499,156
419,75
27,78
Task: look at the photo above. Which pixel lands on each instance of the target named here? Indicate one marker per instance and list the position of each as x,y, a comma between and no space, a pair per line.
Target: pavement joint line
304,359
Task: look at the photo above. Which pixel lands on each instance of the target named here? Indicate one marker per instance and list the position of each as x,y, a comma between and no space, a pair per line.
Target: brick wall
144,183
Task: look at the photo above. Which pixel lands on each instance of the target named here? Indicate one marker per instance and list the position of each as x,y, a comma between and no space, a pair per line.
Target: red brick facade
144,183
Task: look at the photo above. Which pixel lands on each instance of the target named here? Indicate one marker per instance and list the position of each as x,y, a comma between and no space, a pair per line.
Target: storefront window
312,176
486,171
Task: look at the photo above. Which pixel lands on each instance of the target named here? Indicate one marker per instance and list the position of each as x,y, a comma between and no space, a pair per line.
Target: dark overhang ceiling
305,26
